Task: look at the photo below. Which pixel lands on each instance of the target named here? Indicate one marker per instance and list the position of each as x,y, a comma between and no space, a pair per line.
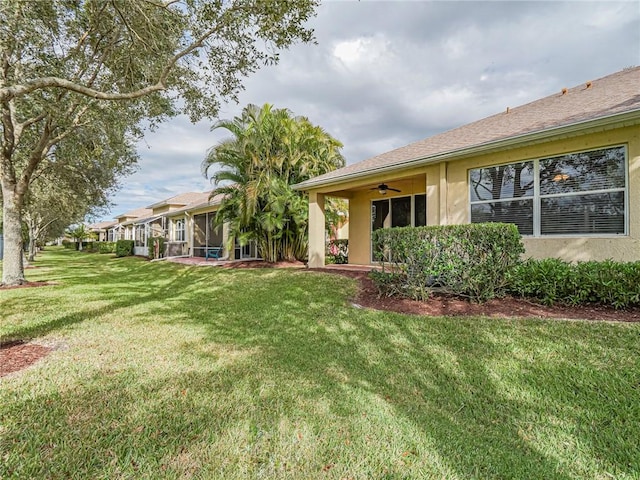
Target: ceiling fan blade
383,187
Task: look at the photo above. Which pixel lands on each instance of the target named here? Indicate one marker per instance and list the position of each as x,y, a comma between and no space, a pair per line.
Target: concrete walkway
202,262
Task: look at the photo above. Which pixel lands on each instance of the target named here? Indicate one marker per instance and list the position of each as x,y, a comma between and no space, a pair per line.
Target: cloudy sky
385,74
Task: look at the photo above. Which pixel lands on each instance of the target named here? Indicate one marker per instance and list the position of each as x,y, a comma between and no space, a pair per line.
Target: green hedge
552,281
124,248
69,245
151,243
106,247
467,260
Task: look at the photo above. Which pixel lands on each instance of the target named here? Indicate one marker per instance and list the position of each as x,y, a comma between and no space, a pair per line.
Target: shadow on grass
496,399
464,398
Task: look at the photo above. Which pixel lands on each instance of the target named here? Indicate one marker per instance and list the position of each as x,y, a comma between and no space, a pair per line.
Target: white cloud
363,55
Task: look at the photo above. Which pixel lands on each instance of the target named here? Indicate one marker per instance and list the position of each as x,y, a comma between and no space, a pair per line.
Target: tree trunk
33,237
12,264
32,251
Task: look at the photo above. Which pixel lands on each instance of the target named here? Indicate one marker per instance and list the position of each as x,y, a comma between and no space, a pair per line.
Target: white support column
316,230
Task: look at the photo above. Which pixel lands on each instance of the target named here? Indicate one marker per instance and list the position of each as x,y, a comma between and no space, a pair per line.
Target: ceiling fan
383,187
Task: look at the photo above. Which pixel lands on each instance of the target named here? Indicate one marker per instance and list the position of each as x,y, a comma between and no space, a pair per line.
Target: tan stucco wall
360,217
446,186
161,210
621,248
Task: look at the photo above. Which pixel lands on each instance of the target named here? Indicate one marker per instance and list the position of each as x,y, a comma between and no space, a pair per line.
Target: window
578,193
398,212
178,232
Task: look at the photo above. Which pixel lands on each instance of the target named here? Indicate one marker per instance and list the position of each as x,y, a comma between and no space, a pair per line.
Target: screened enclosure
205,235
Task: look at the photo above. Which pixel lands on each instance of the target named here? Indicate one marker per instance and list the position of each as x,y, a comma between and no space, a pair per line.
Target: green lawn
168,371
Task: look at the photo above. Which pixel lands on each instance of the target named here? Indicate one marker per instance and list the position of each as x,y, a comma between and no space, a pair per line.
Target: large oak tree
77,75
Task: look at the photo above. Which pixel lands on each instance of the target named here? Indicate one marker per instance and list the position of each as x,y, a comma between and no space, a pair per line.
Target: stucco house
124,229
565,169
186,223
103,230
156,224
191,233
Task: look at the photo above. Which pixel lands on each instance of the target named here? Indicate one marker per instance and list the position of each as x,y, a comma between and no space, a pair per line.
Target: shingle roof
182,199
606,97
137,213
101,225
205,201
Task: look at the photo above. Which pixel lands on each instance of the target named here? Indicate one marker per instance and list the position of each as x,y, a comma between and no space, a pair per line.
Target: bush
151,244
468,260
552,281
337,252
90,247
107,247
69,245
124,248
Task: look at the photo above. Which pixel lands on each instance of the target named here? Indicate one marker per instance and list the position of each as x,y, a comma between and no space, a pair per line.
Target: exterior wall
446,186
360,216
616,247
161,210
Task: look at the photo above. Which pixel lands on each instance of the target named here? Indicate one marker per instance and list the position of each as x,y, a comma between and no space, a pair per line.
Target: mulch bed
508,307
27,285
15,356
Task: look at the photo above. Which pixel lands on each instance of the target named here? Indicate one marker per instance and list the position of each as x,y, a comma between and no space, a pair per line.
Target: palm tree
270,150
79,233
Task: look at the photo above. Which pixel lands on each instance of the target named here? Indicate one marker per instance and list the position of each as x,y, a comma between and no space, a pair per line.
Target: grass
168,371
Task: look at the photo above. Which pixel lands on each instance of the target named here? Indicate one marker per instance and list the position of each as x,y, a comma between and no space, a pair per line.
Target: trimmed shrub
107,247
337,252
124,248
152,242
69,245
551,281
467,260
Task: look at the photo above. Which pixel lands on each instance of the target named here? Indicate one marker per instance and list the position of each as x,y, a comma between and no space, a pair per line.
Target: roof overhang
144,221
619,120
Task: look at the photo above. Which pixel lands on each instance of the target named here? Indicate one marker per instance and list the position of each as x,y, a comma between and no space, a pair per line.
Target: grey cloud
410,70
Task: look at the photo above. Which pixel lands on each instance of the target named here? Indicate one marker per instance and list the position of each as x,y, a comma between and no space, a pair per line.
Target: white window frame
536,197
179,230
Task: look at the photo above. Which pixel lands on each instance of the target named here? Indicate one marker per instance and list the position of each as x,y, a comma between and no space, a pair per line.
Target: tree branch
8,93
51,82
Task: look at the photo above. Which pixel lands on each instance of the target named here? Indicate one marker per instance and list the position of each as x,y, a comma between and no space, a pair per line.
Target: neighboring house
186,223
192,233
103,231
124,229
565,169
157,224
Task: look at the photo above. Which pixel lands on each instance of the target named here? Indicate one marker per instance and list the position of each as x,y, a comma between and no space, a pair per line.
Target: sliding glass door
409,211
